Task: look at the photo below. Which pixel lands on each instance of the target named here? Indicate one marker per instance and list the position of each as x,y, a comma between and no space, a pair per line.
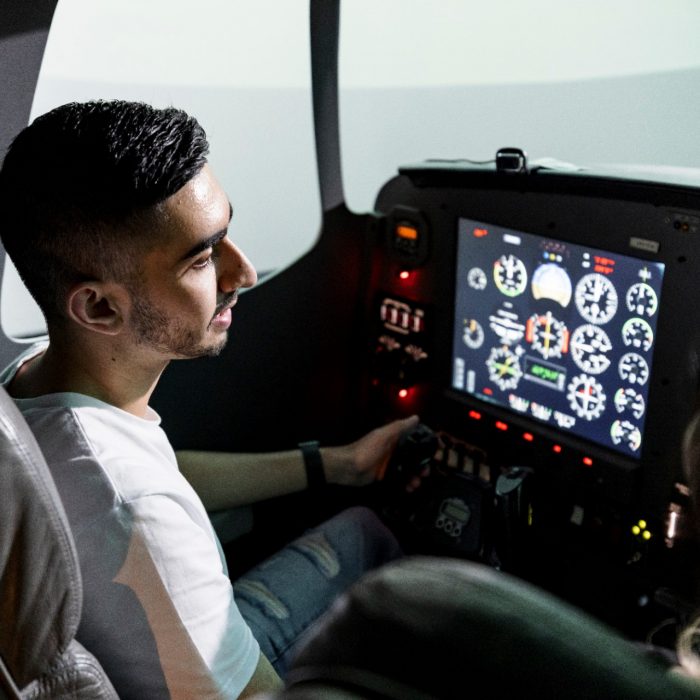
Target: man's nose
235,270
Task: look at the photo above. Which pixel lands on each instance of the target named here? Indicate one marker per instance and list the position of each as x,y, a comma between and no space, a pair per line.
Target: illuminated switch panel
401,352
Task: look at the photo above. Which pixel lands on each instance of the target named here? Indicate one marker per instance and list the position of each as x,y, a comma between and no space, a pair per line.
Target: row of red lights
503,426
528,437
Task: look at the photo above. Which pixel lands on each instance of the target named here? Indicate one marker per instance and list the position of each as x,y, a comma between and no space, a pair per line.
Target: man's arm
264,679
225,480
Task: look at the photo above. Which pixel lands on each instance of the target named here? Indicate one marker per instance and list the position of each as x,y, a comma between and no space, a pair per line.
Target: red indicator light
404,274
501,425
488,392
403,393
588,461
481,232
475,415
529,437
556,448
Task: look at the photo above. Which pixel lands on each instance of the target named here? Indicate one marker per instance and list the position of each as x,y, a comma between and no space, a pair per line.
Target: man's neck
101,372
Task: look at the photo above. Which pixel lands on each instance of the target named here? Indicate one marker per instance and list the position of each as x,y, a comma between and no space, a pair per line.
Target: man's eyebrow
209,242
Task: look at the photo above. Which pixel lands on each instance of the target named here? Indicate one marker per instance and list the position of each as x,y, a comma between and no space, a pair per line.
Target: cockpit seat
40,583
427,628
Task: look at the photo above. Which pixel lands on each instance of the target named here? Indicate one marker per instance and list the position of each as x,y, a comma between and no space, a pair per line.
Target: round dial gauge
586,397
504,368
473,335
637,333
629,400
624,432
548,336
589,345
510,275
633,368
476,278
596,298
641,299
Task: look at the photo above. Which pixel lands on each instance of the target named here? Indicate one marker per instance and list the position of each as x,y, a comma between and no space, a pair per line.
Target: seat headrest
443,628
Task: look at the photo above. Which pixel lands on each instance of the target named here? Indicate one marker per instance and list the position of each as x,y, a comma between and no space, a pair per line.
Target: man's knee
373,538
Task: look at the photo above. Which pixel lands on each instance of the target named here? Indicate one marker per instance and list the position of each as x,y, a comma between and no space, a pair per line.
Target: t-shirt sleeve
173,566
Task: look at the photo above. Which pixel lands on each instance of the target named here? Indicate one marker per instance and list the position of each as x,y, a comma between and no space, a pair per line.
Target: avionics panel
557,332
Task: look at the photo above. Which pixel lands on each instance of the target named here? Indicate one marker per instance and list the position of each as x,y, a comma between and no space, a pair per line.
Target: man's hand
366,459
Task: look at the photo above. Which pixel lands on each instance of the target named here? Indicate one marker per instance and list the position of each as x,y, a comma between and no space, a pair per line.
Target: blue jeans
283,595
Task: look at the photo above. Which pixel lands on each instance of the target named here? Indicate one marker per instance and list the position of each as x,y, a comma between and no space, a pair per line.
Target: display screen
559,332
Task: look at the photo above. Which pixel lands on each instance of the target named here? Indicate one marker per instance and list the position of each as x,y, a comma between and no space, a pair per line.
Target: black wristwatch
313,463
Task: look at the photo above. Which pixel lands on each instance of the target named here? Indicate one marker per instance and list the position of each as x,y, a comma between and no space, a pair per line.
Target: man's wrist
313,464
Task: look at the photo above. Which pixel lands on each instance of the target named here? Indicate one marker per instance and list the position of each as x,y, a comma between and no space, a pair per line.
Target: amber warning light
480,232
407,232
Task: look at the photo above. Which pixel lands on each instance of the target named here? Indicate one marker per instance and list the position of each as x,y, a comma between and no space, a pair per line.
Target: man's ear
98,306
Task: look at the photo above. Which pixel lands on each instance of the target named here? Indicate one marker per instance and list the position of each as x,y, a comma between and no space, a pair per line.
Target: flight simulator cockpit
543,324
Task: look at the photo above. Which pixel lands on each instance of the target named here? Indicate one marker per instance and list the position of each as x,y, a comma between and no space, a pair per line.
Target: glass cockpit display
556,331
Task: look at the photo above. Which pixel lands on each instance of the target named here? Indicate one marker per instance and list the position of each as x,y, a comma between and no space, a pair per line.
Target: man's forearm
225,480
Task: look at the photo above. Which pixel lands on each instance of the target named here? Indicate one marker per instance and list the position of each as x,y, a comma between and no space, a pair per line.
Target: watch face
510,275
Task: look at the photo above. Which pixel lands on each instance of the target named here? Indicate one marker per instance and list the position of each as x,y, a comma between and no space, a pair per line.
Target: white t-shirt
158,606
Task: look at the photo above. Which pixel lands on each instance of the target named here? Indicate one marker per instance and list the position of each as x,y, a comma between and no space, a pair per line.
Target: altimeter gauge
504,368
510,275
589,345
641,299
596,298
586,397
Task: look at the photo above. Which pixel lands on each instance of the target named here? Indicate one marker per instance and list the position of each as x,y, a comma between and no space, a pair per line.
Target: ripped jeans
283,595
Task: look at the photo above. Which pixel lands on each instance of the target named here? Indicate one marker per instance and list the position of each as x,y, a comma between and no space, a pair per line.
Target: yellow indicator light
643,524
646,535
635,530
408,232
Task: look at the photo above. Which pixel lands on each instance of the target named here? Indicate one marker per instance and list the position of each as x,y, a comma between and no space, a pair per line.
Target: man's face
188,284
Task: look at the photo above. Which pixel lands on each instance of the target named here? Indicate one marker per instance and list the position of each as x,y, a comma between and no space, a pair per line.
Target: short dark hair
79,185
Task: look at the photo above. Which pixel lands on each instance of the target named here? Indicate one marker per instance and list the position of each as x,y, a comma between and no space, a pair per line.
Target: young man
118,227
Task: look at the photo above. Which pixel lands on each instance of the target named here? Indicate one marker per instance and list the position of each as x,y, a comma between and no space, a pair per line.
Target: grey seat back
40,584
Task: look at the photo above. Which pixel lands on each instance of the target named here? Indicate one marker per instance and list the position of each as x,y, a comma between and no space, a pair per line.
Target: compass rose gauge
510,275
504,368
633,368
548,336
641,299
476,278
629,400
622,431
473,335
589,345
596,298
586,397
637,333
